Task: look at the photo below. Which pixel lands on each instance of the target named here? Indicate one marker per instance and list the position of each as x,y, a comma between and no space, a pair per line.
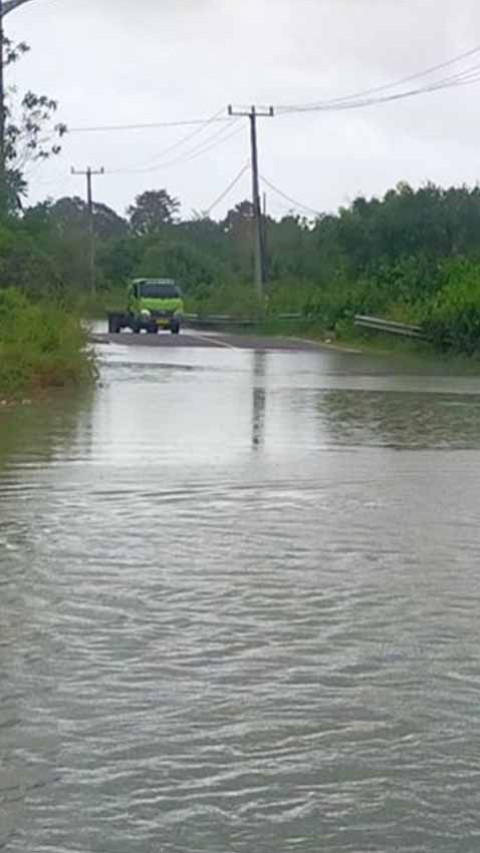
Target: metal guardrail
223,320
390,327
217,321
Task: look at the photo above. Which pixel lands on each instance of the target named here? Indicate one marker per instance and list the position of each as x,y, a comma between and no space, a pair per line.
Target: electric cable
461,78
230,187
192,155
178,144
394,84
114,128
289,198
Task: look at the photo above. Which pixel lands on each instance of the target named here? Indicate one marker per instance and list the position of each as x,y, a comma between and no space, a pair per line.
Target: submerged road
239,599
216,340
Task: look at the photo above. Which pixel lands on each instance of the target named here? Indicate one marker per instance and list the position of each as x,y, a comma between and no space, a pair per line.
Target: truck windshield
159,291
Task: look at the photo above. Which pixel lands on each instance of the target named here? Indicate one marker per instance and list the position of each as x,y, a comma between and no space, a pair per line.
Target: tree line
412,255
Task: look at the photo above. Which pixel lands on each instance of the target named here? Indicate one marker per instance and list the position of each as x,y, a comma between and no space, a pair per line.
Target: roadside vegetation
42,345
42,342
412,256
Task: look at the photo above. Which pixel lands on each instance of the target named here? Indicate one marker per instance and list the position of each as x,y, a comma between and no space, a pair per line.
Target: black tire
133,324
175,330
114,325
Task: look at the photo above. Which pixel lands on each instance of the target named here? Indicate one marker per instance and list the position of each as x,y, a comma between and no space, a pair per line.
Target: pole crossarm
88,172
9,5
253,111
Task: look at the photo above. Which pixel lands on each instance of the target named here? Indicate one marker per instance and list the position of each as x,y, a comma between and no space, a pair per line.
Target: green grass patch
42,345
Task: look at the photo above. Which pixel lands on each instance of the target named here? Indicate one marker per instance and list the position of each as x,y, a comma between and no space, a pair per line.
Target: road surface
216,340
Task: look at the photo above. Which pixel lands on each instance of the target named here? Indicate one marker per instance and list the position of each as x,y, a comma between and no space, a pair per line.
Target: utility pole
265,242
91,222
260,253
6,6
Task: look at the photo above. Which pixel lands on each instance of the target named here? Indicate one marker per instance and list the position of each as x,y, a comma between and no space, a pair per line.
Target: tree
238,227
152,211
239,220
31,134
70,216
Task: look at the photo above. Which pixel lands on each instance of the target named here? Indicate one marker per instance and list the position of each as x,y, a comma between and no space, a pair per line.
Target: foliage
412,256
187,264
452,319
41,345
31,134
152,211
70,216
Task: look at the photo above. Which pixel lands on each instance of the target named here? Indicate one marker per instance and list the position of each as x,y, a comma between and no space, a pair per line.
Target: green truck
152,304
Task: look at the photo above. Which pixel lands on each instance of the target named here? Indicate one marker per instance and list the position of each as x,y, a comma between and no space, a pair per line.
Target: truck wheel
114,325
175,330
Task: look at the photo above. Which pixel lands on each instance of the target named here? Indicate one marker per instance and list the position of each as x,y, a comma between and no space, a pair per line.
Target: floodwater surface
239,608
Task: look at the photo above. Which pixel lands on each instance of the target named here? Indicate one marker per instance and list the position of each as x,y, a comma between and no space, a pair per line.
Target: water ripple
236,621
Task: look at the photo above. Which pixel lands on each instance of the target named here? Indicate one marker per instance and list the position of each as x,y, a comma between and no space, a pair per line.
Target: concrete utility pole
265,241
6,6
260,253
91,222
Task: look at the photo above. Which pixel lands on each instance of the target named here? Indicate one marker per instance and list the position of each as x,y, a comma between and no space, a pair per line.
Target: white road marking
319,345
212,339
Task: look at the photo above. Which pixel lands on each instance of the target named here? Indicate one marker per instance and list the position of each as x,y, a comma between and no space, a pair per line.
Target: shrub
452,319
41,344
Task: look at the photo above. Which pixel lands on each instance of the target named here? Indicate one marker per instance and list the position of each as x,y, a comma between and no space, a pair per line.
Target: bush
41,345
452,319
239,300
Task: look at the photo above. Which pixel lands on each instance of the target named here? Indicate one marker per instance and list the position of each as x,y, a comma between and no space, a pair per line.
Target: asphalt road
215,340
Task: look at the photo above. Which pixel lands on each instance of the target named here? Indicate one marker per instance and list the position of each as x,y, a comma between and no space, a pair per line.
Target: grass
42,345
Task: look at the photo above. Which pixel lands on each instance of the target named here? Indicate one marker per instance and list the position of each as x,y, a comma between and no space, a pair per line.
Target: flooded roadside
238,607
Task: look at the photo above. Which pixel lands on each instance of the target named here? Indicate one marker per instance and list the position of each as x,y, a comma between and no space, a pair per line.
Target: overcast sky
135,61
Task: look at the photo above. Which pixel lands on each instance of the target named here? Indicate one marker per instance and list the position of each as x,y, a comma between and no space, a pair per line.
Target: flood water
240,608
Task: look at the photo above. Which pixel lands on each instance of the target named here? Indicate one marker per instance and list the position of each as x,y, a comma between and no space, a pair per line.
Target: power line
393,85
178,144
113,128
466,77
289,198
370,102
198,151
328,103
218,138
230,187
158,163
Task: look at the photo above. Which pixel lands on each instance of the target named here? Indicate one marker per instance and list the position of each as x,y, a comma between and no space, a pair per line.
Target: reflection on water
414,420
239,608
259,399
